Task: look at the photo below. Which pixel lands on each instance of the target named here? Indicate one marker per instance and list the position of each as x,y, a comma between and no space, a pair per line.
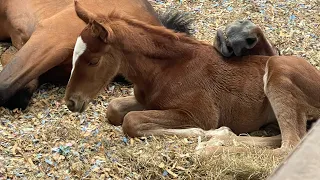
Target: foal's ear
221,44
99,31
83,13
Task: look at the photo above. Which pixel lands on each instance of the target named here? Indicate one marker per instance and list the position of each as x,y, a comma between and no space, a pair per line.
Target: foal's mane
159,30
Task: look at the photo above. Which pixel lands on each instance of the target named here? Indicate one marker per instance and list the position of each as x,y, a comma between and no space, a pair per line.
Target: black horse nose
71,104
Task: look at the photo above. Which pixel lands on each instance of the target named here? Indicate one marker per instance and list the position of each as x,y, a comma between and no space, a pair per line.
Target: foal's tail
177,21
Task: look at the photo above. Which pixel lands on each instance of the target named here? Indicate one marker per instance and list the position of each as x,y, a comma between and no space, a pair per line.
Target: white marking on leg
193,132
219,137
190,132
265,78
79,49
222,131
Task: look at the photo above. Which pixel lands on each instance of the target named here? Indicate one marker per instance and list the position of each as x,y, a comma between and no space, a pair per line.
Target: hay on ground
48,141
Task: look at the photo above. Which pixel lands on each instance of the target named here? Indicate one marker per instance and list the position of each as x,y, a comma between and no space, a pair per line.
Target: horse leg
224,140
119,107
160,122
216,145
288,103
23,96
32,60
174,122
50,45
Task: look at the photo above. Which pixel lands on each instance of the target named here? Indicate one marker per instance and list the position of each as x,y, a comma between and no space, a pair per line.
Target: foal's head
95,62
113,40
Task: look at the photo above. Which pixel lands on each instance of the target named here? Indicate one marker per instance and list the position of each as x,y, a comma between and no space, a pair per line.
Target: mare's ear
97,30
82,13
221,44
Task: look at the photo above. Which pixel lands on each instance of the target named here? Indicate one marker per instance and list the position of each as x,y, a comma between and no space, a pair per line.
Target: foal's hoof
281,151
20,100
209,150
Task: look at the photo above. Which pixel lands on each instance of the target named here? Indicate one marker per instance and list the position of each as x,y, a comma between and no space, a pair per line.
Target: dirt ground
48,141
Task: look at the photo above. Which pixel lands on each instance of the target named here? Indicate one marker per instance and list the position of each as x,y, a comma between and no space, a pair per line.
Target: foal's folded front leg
160,122
119,107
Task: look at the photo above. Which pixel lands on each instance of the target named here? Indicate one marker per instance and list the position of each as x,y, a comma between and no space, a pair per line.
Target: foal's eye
93,62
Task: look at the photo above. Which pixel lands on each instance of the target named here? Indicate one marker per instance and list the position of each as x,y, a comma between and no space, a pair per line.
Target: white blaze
79,49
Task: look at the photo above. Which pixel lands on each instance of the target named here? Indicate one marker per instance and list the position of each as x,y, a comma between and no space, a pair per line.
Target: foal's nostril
71,105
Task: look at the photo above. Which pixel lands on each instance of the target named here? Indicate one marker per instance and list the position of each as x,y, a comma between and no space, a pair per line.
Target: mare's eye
94,62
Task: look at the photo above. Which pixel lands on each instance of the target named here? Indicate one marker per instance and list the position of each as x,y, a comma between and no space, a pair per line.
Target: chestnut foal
185,87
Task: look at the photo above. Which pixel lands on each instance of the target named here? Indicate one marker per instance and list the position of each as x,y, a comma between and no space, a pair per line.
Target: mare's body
45,32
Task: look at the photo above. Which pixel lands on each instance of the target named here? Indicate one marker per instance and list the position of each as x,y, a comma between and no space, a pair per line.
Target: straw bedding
47,141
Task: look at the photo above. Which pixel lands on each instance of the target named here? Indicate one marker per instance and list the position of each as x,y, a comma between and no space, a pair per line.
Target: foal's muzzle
76,104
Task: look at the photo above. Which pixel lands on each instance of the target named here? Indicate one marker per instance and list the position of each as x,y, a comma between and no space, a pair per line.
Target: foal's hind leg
159,122
287,103
119,107
216,144
22,97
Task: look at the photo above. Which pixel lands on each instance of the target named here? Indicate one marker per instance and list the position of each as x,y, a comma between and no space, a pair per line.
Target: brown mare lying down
45,32
185,87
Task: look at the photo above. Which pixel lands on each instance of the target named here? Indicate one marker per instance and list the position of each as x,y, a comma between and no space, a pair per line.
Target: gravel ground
48,141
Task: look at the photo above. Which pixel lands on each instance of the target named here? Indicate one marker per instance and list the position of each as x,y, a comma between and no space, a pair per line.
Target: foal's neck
152,52
143,69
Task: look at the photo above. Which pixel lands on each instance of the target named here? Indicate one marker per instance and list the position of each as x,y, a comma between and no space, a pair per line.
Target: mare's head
90,69
243,37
